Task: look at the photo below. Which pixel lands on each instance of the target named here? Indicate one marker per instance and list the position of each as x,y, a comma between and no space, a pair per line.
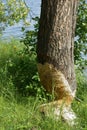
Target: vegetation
19,103
11,12
81,35
20,90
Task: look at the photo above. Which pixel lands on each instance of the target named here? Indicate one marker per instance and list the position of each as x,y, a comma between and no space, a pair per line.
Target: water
15,31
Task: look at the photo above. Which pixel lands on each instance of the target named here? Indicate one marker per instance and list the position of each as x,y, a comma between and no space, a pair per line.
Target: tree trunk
55,49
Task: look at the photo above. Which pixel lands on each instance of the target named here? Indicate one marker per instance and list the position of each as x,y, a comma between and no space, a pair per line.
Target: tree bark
55,48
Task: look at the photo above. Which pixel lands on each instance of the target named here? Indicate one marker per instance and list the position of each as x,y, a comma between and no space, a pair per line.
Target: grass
21,112
24,115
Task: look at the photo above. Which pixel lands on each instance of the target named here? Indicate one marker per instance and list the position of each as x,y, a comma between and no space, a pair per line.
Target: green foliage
81,34
11,12
19,70
22,68
80,107
82,84
22,113
30,37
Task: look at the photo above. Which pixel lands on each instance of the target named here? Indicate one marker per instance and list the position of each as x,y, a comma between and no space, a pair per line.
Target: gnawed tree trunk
55,50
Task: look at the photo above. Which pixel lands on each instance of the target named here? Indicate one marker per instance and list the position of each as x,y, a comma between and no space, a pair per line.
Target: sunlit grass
24,115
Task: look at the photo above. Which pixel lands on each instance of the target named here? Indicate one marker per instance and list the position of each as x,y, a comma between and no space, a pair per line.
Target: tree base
55,82
58,111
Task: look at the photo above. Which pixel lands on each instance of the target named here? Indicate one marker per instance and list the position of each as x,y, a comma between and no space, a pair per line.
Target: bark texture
55,47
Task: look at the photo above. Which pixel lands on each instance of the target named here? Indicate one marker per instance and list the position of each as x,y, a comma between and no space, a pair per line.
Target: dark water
15,31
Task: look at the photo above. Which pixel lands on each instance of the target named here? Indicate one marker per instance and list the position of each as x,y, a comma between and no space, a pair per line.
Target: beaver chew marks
54,81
